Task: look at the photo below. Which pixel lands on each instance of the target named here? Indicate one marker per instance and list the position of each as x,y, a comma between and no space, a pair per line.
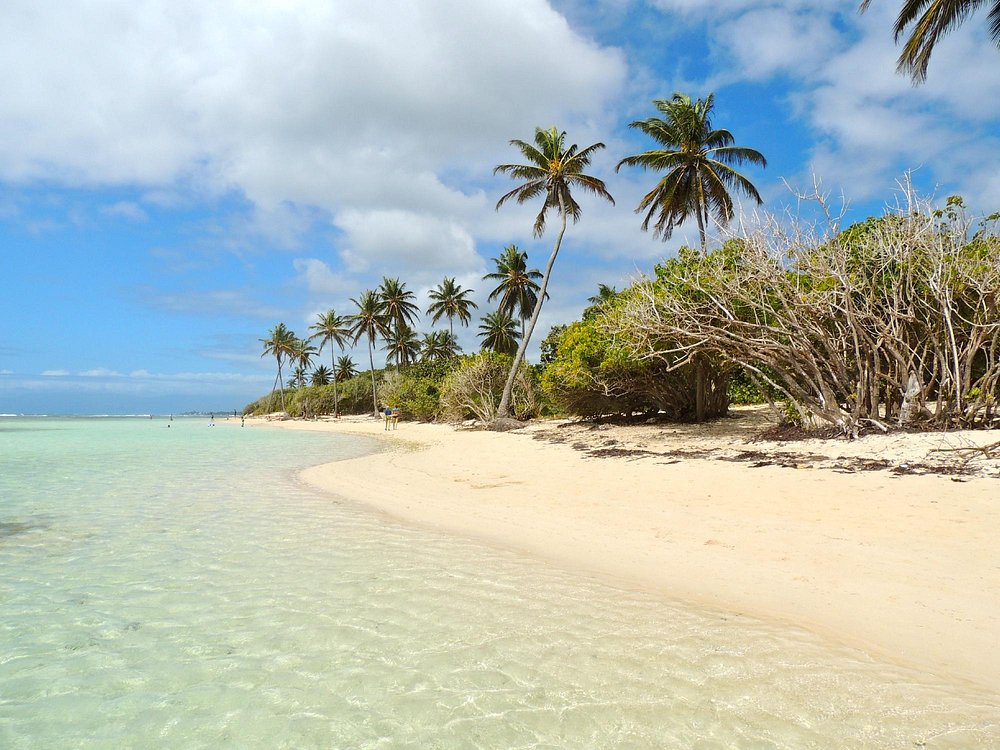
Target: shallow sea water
179,588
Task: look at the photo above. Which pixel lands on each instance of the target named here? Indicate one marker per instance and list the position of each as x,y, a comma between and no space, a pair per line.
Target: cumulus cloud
319,103
54,373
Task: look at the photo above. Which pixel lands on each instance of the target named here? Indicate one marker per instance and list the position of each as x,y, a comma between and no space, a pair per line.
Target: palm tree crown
697,159
451,301
931,20
438,345
553,172
346,368
518,288
499,333
397,303
402,345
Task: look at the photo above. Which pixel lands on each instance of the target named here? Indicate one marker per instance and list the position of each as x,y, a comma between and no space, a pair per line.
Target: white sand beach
859,541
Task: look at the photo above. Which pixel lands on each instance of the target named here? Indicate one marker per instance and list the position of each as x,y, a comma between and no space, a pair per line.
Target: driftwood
969,452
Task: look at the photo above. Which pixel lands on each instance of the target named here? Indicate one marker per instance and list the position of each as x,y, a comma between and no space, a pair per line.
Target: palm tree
931,20
697,159
298,378
369,321
552,172
345,369
397,303
322,376
499,333
438,345
331,329
280,343
517,290
450,300
303,352
402,345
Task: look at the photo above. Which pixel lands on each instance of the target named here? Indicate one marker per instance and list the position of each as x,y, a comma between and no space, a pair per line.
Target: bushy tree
476,387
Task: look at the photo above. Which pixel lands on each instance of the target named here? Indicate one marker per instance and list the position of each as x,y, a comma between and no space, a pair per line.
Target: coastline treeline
891,323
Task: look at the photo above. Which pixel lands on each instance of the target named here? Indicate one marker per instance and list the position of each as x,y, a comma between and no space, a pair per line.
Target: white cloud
328,104
126,210
100,372
392,242
55,373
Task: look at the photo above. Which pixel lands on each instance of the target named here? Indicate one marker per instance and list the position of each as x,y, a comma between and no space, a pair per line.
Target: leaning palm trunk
508,389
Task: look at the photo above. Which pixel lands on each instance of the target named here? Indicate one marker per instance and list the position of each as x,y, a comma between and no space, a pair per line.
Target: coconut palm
298,378
451,301
499,333
346,369
302,354
553,170
280,343
331,329
697,159
517,290
438,345
322,375
369,321
931,20
397,303
402,345
600,301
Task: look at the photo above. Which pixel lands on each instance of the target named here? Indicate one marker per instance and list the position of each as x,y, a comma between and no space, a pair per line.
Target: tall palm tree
322,375
451,301
369,321
279,343
402,345
518,289
499,333
438,345
553,170
931,20
331,328
397,303
346,368
697,159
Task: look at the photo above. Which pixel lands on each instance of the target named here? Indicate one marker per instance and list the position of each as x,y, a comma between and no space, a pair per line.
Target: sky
176,176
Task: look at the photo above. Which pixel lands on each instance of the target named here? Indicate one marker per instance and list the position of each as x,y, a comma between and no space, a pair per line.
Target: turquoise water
179,588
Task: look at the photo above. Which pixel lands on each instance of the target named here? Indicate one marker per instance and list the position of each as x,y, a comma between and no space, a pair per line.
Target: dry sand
859,541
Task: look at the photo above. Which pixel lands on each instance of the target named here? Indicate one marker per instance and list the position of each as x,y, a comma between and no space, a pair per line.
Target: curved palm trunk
508,389
371,362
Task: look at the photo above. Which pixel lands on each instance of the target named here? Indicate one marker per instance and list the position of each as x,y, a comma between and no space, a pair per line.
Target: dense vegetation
891,323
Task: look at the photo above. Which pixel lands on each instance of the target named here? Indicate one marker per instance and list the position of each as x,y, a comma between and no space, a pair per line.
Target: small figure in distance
387,412
395,417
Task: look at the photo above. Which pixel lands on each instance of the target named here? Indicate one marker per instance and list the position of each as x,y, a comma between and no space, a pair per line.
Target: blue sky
176,176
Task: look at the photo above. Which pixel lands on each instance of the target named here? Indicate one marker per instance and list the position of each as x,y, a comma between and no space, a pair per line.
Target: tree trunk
336,397
281,386
371,363
700,389
508,389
